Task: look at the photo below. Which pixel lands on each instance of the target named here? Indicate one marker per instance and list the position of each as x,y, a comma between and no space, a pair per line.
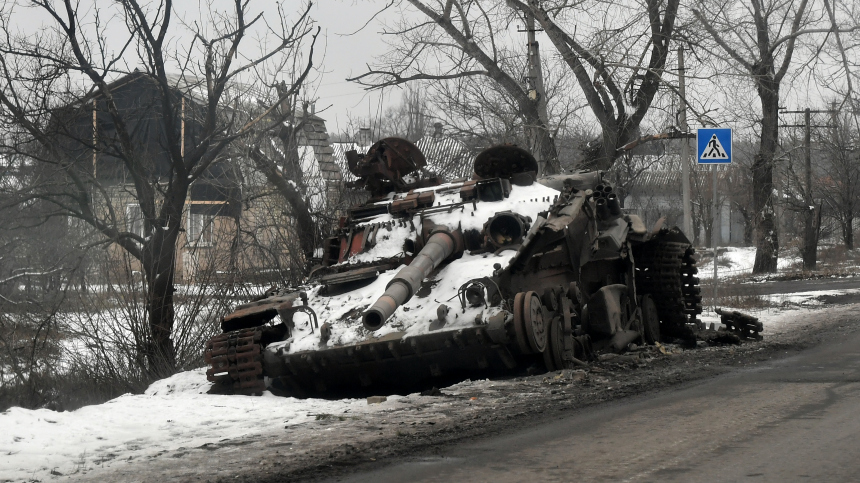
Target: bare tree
456,40
840,183
617,61
412,118
761,38
474,108
276,155
739,184
416,112
71,70
618,64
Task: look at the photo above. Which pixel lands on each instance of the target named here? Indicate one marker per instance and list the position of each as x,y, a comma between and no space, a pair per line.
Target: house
235,225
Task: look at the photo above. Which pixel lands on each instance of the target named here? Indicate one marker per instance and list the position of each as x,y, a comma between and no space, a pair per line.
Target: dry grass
705,258
746,302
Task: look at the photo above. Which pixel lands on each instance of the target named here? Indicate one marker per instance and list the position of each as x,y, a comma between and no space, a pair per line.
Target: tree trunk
543,146
848,232
810,229
709,234
600,154
810,239
159,265
766,236
748,223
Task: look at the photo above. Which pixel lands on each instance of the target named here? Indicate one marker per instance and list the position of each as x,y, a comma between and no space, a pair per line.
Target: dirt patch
333,445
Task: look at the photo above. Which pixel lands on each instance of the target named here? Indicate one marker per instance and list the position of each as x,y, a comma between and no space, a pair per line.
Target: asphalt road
794,419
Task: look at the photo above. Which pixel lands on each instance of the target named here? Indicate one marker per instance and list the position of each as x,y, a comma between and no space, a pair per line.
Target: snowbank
173,414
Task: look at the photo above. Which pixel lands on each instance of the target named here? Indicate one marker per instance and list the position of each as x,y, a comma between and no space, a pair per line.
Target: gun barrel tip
372,320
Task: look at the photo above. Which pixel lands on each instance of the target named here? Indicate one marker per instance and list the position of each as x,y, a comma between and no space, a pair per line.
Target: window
134,220
200,229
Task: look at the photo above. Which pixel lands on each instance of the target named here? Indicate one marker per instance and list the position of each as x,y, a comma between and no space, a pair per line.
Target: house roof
658,172
339,150
315,135
446,156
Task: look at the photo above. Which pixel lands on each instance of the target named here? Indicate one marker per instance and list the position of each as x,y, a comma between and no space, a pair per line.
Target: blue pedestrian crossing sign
714,145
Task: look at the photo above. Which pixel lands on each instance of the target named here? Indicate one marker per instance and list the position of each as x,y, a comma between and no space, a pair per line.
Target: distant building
446,156
235,225
650,186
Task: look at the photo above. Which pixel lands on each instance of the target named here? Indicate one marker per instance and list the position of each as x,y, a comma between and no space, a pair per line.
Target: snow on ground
782,311
737,261
176,413
173,414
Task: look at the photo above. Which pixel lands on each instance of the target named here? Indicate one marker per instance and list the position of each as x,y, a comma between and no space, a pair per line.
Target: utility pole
810,223
810,238
535,88
685,149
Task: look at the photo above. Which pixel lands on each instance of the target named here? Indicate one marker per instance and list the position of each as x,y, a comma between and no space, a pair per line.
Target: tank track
667,270
235,362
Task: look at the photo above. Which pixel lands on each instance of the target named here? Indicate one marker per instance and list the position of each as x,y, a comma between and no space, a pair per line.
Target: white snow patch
344,311
740,262
783,311
174,413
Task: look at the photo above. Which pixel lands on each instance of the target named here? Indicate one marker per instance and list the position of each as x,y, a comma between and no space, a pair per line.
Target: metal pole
182,142
685,149
809,258
95,138
536,89
714,227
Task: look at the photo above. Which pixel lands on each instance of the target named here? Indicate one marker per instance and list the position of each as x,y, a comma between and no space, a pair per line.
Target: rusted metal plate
235,362
260,311
389,157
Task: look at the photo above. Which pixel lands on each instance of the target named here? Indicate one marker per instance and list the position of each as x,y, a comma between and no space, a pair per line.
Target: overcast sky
347,55
350,39
343,49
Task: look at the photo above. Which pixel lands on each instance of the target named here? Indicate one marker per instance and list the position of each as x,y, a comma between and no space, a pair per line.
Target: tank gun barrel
441,245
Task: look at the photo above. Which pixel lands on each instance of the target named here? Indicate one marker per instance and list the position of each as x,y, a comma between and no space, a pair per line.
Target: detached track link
667,270
235,361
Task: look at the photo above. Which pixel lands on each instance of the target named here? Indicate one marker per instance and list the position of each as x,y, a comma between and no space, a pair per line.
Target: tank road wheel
519,324
566,330
553,355
650,320
534,322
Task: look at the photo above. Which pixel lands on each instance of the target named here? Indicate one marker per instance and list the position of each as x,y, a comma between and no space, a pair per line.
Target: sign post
714,146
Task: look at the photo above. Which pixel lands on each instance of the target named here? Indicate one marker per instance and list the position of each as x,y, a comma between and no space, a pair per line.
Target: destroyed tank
432,282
